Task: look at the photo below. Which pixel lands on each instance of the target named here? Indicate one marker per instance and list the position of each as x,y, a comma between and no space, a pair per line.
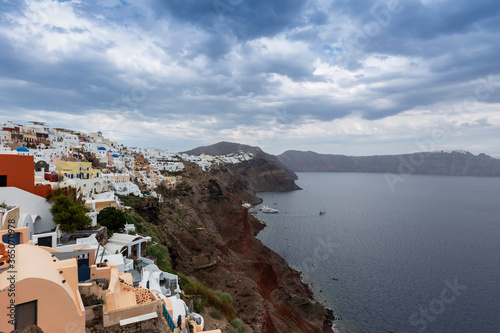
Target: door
12,239
83,269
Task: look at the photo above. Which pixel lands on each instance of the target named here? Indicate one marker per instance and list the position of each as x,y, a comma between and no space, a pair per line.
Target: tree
70,215
113,219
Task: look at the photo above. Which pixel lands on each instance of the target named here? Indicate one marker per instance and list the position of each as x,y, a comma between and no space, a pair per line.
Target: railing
169,320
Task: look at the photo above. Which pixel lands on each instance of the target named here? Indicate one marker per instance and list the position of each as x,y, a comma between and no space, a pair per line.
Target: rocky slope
210,238
264,172
429,163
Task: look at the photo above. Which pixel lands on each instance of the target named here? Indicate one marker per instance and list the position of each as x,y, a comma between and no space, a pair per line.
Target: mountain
263,172
224,148
427,163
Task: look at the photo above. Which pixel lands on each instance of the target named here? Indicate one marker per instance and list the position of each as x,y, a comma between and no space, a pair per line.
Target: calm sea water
422,258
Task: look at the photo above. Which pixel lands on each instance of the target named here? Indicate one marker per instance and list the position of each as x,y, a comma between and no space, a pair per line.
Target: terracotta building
19,171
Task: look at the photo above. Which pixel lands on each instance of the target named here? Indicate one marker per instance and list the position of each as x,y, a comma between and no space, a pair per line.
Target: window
3,181
26,315
45,241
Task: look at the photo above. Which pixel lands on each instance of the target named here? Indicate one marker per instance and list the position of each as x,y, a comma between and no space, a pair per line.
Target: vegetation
68,210
66,191
209,298
197,307
147,207
89,300
113,219
161,254
181,189
215,314
225,297
131,201
238,326
30,145
171,173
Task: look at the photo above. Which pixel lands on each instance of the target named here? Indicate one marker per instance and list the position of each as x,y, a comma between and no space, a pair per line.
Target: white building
122,184
34,210
4,137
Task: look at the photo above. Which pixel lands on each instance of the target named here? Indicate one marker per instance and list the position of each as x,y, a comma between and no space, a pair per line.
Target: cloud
244,19
253,69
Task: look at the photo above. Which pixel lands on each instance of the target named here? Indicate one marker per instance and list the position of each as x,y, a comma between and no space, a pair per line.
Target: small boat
269,210
322,212
334,279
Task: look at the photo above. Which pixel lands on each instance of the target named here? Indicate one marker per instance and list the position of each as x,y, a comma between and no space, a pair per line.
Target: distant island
266,172
261,173
456,163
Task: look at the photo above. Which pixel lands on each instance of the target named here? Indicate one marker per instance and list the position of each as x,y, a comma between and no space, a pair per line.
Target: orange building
38,288
19,171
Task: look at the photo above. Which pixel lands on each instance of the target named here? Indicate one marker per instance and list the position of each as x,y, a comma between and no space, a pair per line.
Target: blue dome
101,148
99,132
115,155
23,149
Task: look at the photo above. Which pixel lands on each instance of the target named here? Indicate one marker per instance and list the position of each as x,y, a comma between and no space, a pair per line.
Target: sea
417,253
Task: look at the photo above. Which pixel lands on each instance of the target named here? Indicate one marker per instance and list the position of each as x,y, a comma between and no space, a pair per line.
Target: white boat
269,210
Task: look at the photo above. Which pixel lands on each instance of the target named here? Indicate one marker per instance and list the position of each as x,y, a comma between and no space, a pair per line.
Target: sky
351,77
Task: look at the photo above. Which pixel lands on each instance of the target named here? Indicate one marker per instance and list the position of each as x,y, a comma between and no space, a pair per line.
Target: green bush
227,298
215,314
238,325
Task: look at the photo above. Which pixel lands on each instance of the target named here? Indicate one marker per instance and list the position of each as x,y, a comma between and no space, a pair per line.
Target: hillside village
46,275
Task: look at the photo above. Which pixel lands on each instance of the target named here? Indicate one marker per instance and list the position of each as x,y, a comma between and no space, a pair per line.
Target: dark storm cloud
250,58
414,23
244,18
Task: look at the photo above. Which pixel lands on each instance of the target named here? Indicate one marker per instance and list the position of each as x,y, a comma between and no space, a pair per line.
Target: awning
71,254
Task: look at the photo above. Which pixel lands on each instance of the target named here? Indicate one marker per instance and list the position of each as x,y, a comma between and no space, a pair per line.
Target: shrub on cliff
215,314
220,301
238,326
161,254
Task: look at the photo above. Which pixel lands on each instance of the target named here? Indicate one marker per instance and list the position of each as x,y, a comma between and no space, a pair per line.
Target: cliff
210,238
427,163
264,172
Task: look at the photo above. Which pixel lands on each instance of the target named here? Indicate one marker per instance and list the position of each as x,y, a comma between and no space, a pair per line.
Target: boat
322,212
269,210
